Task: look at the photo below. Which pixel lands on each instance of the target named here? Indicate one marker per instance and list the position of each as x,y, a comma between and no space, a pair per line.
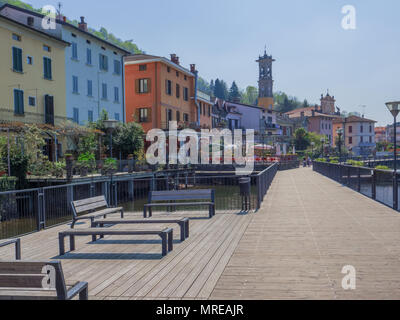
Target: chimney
83,25
192,68
174,58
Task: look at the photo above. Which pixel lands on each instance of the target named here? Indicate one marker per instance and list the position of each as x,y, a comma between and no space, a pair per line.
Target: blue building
94,67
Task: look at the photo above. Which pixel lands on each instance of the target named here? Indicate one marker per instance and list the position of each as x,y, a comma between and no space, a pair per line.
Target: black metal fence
27,211
380,185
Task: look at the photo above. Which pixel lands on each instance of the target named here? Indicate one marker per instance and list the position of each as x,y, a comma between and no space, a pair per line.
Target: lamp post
340,134
110,126
312,152
394,109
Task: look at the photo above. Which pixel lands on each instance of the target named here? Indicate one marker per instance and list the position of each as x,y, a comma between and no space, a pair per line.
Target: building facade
204,114
358,134
159,90
32,79
94,73
380,134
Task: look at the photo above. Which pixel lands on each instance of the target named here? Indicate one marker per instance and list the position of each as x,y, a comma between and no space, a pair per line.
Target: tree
234,93
250,96
301,139
220,89
128,139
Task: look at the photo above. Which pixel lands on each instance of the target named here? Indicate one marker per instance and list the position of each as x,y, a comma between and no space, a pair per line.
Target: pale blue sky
224,38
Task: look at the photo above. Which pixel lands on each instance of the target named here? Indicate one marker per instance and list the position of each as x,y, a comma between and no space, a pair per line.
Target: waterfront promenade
294,247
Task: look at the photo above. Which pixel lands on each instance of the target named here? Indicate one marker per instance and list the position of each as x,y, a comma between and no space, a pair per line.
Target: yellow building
32,76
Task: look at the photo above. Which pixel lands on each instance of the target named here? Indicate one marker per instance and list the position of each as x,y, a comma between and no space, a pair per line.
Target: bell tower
266,82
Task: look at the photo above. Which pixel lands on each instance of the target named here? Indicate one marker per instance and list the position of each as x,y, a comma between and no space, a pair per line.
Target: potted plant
109,166
86,162
58,169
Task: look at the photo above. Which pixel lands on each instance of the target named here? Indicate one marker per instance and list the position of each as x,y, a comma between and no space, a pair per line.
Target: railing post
359,179
258,192
40,211
395,192
373,184
348,176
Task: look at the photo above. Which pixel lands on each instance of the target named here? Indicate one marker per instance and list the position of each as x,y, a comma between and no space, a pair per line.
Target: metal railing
27,211
264,180
380,185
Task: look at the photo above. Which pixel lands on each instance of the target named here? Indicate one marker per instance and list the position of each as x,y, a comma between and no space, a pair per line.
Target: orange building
159,90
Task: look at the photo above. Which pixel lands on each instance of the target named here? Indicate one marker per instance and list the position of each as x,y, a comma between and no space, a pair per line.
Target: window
201,109
74,51
16,37
32,101
143,86
178,91
90,116
103,62
17,59
73,34
117,67
370,139
370,129
177,74
116,116
18,102
142,67
46,48
76,115
361,139
90,88
178,116
47,68
362,129
168,69
169,115
209,111
350,129
116,94
143,115
89,56
186,94
75,87
49,109
185,77
29,60
350,140
88,42
104,91
168,87
185,117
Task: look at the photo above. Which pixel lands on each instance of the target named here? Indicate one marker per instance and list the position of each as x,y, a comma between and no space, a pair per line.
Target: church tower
328,104
265,82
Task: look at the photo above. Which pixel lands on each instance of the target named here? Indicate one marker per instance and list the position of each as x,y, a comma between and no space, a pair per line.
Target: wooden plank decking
295,247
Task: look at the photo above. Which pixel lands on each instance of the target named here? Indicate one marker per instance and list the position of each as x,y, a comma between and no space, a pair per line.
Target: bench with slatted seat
29,280
17,243
166,236
182,222
91,209
169,199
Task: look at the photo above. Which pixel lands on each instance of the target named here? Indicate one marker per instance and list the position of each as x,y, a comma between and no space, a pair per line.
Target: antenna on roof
59,5
363,107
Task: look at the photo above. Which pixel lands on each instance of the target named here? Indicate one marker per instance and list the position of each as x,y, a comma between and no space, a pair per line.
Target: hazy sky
225,37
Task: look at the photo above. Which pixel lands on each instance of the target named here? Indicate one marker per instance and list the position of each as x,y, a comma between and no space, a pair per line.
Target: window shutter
49,68
166,86
19,59
148,85
137,84
49,109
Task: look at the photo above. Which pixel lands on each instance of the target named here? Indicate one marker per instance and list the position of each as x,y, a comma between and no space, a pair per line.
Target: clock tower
265,82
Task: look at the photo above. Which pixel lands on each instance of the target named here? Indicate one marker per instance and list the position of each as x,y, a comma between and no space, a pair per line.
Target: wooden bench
165,234
182,195
183,224
92,208
27,280
17,243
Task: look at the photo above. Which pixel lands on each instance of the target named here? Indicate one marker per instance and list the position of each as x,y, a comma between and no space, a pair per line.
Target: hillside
102,33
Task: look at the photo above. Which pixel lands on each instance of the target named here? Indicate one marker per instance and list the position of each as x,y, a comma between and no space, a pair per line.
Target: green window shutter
17,59
49,72
18,102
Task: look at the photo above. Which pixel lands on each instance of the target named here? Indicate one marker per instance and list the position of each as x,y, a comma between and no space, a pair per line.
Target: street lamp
322,146
312,146
110,126
394,109
340,134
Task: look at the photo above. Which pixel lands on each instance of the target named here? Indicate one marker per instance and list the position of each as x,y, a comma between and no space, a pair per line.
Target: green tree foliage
204,86
285,103
129,139
220,89
250,96
234,92
301,139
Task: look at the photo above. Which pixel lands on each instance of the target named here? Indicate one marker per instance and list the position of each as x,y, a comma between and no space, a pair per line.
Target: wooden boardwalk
295,247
